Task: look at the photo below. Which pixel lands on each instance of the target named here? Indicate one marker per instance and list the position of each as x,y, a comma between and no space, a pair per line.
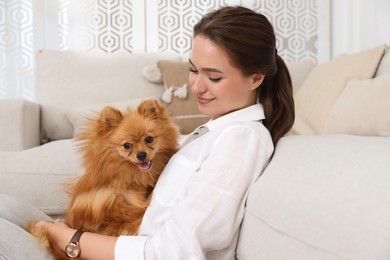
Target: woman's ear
257,79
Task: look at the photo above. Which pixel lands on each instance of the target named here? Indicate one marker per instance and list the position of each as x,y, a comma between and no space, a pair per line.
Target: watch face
72,250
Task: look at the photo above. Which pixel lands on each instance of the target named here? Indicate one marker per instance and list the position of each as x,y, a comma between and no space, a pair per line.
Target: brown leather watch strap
76,237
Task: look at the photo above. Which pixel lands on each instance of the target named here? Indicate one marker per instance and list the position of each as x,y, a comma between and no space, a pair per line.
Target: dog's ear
110,117
151,108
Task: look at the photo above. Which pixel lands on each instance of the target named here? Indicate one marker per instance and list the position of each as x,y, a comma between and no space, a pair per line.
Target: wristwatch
72,250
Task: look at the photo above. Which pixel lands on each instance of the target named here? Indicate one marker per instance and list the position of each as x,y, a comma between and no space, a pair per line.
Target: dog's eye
149,139
127,146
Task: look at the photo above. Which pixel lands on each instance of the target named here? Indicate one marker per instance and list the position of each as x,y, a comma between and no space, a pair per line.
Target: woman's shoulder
243,130
255,127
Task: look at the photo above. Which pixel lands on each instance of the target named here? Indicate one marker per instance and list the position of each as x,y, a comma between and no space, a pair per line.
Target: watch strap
76,237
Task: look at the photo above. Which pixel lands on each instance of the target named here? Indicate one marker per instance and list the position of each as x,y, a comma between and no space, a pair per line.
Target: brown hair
249,40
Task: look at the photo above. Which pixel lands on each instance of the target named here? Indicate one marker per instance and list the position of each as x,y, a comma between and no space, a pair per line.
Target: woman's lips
204,101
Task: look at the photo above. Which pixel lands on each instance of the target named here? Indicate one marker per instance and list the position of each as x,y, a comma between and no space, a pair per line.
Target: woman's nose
198,86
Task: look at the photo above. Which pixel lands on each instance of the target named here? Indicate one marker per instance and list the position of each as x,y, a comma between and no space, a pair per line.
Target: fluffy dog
123,156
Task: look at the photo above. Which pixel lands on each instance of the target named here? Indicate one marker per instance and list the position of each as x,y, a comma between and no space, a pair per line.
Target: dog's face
136,136
136,145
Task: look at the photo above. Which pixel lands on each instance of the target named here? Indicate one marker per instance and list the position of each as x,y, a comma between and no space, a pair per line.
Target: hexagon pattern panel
296,26
176,19
295,22
117,26
16,49
109,26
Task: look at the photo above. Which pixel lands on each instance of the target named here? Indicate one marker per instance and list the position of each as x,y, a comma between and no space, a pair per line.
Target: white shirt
198,202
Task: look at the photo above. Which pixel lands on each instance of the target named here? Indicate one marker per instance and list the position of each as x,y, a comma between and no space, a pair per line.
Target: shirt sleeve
130,247
209,216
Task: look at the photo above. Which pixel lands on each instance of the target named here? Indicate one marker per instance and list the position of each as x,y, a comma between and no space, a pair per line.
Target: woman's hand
58,233
93,246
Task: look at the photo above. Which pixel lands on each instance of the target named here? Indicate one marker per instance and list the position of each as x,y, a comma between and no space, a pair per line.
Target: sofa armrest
19,127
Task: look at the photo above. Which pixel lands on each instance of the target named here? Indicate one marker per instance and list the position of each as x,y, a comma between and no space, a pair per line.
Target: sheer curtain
26,26
16,48
126,26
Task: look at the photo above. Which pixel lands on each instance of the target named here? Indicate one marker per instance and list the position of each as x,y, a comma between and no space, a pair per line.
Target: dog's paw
38,233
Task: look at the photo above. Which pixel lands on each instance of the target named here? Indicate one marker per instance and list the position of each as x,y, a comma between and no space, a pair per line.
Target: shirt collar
248,114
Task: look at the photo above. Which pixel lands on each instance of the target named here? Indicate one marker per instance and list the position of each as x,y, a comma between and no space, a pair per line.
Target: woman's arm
93,246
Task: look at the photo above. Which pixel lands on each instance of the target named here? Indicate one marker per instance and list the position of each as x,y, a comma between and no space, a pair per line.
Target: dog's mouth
144,166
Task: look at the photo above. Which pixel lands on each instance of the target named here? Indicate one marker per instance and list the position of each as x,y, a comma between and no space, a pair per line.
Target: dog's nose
142,156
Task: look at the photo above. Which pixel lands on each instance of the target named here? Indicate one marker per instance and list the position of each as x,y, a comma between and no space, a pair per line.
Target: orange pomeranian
123,156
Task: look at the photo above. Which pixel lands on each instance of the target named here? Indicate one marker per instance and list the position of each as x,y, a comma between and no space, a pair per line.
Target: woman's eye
149,139
215,79
127,146
192,70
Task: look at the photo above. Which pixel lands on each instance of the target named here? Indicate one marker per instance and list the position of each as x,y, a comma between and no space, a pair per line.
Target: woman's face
219,87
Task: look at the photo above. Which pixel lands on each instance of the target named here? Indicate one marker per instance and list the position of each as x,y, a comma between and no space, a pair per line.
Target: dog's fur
123,156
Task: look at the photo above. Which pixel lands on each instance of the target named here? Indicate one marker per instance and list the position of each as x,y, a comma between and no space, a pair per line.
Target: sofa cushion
299,71
320,90
67,79
363,108
40,173
321,197
19,128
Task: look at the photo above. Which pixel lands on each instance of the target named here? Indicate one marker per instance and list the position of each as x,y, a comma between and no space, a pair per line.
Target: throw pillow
299,71
384,67
362,109
320,90
184,111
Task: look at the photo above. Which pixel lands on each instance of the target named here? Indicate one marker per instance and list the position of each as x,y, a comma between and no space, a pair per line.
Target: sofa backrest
69,80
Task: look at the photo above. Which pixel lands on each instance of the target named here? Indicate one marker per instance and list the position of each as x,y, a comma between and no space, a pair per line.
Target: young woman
198,204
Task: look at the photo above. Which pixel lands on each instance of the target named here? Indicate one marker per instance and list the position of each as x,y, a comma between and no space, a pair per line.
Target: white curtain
358,25
16,49
126,26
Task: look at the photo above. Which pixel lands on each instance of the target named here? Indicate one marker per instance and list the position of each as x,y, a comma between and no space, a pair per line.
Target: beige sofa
325,194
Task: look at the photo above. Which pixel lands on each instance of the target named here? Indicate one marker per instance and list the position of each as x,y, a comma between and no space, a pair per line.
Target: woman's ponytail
276,96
